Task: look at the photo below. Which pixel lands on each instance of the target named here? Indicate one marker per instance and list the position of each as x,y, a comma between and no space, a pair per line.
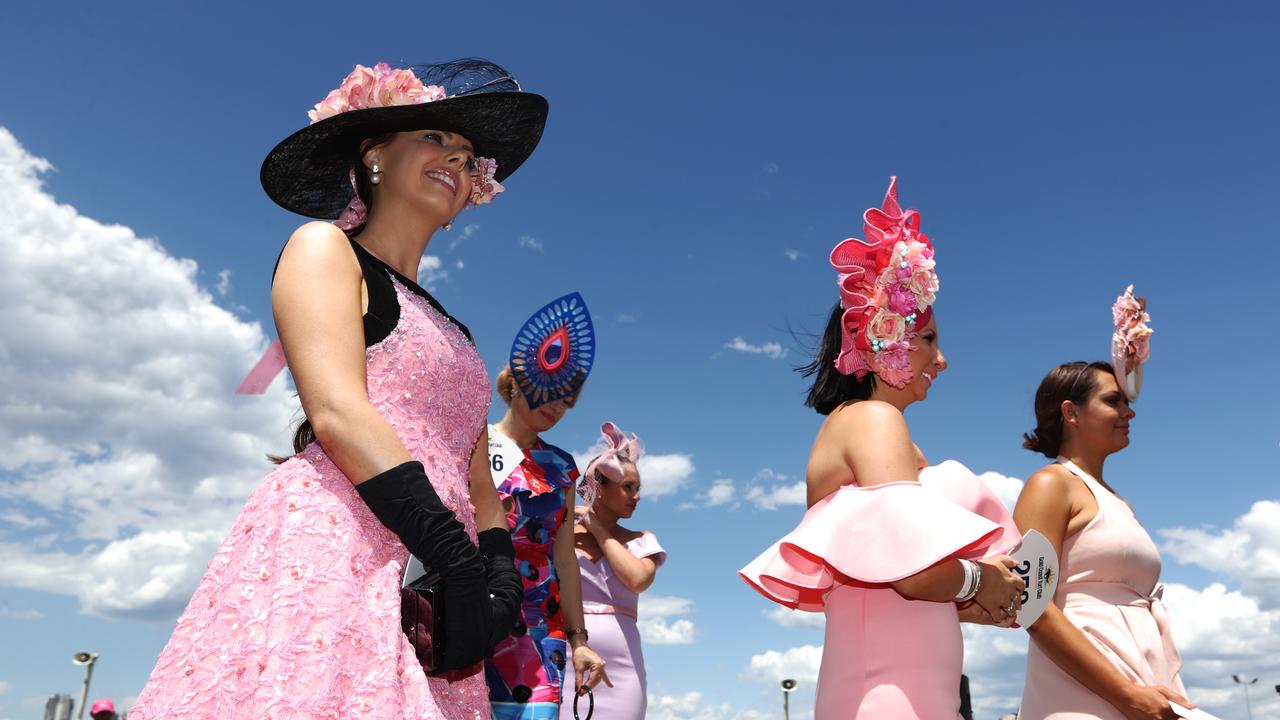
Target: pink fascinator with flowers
888,285
1130,341
620,449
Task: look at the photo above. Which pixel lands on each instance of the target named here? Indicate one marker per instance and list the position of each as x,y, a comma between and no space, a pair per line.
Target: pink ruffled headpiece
620,449
1130,341
887,288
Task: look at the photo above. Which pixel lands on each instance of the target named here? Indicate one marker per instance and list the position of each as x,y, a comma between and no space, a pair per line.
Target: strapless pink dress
610,611
1108,590
886,656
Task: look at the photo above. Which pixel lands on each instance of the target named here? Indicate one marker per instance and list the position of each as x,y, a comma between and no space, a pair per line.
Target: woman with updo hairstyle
894,551
300,612
1103,648
616,565
550,359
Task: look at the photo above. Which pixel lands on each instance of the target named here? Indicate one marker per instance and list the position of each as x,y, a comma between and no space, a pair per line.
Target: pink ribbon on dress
1109,593
595,608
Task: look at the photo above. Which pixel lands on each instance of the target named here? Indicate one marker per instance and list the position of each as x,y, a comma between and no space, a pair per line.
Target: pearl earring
376,176
448,226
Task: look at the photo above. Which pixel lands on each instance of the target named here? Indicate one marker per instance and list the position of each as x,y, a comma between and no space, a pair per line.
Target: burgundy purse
424,623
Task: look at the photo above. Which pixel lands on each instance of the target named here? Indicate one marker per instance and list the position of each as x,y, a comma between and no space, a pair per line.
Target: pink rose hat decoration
1130,341
888,285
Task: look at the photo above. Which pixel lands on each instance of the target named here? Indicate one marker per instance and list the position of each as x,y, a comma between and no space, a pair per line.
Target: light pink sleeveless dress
1108,590
298,615
886,656
610,610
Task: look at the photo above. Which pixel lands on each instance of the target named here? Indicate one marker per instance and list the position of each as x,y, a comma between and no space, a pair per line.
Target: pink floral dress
298,615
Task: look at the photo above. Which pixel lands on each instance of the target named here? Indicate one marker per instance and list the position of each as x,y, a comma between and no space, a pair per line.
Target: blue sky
700,161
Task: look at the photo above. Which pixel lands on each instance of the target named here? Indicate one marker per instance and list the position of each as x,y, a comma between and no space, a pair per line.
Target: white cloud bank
771,350
122,446
662,620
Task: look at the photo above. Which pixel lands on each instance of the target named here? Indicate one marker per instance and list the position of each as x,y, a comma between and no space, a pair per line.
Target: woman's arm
1046,505
585,660
484,496
870,441
317,301
635,573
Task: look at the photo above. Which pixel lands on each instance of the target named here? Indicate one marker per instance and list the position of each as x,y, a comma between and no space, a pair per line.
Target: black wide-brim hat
309,171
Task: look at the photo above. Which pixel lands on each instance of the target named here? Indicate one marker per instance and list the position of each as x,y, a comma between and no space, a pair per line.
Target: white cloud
687,706
1248,553
664,474
4,687
786,617
529,242
772,169
771,350
661,620
467,232
431,272
798,663
624,318
119,410
1006,488
224,282
459,265
771,490
8,613
792,254
721,493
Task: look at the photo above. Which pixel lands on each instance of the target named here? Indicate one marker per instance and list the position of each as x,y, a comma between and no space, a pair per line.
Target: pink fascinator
620,449
1130,342
887,289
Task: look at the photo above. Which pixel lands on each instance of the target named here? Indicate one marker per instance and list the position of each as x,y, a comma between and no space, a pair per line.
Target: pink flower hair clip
1130,341
620,449
888,285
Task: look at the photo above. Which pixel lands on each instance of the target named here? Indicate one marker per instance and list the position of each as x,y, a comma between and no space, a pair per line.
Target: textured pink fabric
298,615
885,655
615,635
1108,589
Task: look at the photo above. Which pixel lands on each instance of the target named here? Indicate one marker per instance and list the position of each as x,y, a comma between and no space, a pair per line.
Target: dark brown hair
831,389
1074,381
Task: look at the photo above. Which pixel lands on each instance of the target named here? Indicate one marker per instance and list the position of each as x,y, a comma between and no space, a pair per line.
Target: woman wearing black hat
299,614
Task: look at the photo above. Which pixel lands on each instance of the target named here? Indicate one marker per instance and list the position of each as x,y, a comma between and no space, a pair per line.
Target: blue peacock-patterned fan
552,354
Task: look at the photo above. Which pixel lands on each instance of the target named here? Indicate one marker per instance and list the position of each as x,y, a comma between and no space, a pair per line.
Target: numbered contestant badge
504,456
1037,565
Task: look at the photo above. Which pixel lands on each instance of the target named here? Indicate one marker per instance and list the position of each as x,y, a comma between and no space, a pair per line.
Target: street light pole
86,659
1246,683
788,686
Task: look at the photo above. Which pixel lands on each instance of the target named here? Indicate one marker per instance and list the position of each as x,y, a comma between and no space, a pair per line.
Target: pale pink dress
1108,590
298,615
886,657
610,609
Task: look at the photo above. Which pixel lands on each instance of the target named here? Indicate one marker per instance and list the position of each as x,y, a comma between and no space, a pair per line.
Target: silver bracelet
968,588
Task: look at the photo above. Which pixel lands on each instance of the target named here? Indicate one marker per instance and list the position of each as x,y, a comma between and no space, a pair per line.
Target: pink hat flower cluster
1131,340
384,86
888,285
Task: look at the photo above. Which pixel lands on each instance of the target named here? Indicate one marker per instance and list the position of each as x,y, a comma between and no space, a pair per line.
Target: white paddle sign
1037,564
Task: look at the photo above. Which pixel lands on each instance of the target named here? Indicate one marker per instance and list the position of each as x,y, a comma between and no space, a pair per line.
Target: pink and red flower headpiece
1130,341
887,288
620,449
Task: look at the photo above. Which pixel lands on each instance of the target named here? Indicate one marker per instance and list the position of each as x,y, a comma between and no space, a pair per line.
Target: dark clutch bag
423,620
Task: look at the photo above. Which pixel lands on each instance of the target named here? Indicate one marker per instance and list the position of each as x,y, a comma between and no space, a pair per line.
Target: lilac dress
298,615
609,608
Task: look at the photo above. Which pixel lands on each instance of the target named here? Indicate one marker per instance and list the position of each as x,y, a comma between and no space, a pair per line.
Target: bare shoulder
626,535
871,412
1048,484
317,246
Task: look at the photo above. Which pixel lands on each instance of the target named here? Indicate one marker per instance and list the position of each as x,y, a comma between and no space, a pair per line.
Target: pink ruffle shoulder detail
881,534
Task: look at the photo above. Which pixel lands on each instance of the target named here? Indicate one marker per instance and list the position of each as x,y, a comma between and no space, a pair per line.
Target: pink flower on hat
1132,337
379,86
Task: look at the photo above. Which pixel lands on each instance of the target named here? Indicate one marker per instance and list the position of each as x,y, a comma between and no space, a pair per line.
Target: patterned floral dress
527,669
298,615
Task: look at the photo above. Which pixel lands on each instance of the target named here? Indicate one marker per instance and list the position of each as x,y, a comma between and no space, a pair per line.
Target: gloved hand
403,500
506,590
